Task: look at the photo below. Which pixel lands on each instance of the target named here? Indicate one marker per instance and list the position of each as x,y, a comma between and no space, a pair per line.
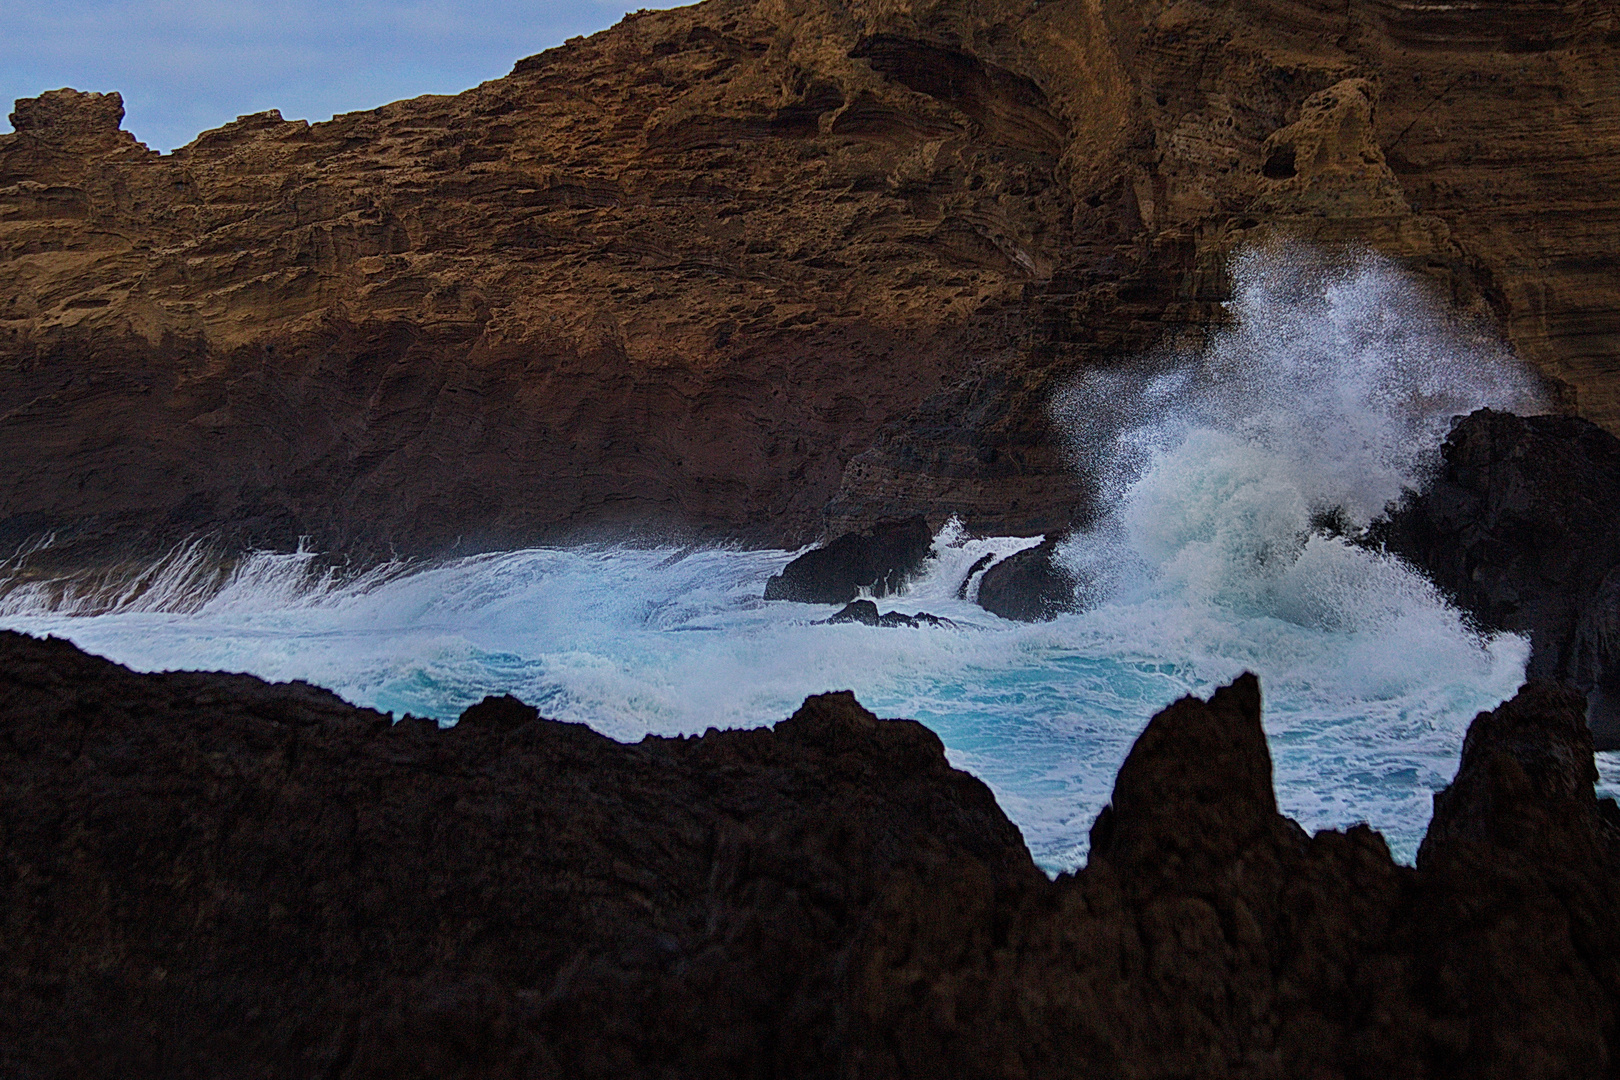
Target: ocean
1236,478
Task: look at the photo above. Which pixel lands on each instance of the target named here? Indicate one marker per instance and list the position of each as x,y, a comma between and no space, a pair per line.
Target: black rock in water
1029,586
878,560
922,618
967,582
1522,529
865,611
856,611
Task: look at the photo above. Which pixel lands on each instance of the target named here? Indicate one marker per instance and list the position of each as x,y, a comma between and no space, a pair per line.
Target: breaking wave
1237,478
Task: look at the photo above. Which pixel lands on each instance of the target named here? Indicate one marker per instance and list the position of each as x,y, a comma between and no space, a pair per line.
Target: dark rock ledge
1031,585
879,560
205,875
1521,527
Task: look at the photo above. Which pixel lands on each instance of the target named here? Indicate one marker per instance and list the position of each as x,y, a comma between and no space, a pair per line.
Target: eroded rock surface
207,875
761,270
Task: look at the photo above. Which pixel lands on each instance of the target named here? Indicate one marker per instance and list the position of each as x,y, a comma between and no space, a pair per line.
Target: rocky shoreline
769,273
1520,529
208,875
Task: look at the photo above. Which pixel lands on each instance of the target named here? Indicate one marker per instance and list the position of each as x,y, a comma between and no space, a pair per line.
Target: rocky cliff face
204,875
761,269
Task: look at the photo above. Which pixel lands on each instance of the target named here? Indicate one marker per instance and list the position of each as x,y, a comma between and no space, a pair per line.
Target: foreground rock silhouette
1519,528
208,875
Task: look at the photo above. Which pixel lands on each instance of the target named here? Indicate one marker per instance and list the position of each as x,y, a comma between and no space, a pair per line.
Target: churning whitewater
1237,479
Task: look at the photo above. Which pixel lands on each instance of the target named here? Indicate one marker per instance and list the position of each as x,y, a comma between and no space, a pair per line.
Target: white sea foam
1330,390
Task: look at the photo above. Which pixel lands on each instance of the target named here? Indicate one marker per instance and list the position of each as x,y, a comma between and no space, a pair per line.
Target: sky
184,66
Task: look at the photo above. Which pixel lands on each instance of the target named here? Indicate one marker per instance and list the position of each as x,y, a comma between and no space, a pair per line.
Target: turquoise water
1364,726
1330,392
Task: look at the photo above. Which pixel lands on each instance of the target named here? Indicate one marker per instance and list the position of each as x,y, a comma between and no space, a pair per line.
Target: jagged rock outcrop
866,613
1210,937
207,875
204,874
1520,528
761,269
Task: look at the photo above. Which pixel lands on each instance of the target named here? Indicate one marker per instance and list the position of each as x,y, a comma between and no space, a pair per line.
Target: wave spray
1232,476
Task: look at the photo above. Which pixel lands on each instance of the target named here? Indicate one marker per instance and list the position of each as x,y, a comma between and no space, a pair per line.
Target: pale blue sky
187,65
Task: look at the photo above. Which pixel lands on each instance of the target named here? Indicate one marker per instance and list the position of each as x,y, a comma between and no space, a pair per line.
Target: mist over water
1232,476
1328,396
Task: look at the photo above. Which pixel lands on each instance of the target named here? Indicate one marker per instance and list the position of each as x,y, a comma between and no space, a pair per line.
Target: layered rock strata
208,875
761,269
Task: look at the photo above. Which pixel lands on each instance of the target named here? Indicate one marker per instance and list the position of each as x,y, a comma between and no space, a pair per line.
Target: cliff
761,269
206,875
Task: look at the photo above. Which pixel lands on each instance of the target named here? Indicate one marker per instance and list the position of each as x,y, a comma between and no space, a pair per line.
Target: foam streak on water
1329,394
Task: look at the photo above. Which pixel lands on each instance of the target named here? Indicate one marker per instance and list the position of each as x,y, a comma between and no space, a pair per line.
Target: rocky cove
1031,370
206,874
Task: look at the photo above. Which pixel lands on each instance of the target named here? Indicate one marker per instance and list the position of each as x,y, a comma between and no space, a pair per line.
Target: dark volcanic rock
1522,528
205,875
866,612
1524,784
921,618
794,267
1029,585
1211,937
979,564
856,611
879,559
1194,792
504,713
1519,928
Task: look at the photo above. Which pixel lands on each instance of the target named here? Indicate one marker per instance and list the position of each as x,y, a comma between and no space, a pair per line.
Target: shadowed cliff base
761,271
1519,527
207,874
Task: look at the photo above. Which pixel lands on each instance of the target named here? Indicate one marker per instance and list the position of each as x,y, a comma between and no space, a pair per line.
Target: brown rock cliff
761,269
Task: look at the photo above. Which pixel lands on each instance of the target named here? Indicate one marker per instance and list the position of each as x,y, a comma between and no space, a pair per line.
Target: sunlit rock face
761,270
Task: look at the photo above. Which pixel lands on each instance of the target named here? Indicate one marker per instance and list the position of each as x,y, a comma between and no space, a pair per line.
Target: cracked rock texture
762,269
